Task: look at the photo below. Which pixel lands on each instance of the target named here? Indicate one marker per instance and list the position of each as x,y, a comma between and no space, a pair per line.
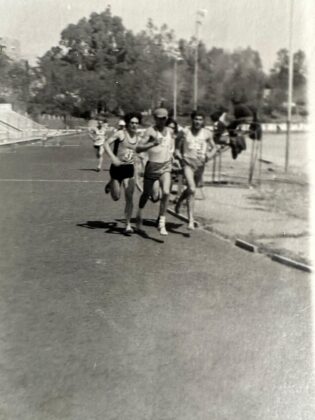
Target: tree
16,78
99,65
278,79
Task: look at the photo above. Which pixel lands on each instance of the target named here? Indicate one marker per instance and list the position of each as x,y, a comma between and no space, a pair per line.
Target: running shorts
198,168
193,162
154,170
119,173
99,150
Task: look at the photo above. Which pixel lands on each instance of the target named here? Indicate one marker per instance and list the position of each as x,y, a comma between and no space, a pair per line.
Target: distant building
11,47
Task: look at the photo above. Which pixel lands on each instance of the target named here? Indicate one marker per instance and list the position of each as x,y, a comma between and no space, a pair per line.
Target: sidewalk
273,215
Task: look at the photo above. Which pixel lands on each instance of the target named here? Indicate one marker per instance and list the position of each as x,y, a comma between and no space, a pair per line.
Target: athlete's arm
149,140
107,144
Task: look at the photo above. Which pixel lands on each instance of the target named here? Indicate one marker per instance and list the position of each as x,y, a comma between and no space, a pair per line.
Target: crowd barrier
9,137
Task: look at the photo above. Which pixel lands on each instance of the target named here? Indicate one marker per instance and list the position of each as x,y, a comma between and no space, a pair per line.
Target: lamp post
201,13
175,89
177,58
290,89
174,53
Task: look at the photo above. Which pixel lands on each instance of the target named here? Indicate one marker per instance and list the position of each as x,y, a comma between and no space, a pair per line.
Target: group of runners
163,146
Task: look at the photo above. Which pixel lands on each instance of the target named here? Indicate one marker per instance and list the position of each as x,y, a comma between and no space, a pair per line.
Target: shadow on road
98,224
93,170
170,226
173,228
113,228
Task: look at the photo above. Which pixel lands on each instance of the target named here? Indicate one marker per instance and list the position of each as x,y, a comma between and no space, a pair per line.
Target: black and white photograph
157,182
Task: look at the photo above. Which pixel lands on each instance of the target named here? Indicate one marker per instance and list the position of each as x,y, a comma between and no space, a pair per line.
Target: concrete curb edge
246,245
252,248
291,263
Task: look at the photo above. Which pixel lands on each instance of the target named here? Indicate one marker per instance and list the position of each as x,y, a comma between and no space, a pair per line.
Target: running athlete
122,168
194,149
121,126
97,134
158,142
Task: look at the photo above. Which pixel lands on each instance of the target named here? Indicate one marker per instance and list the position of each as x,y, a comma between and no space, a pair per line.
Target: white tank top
124,149
195,145
163,152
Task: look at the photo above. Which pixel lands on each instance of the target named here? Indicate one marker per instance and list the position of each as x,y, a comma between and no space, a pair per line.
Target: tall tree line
99,65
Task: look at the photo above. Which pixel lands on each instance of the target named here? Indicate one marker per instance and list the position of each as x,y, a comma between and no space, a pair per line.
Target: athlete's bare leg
100,154
147,190
165,182
129,186
115,189
189,193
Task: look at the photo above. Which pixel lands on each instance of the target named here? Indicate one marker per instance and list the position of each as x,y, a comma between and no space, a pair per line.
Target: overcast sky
260,24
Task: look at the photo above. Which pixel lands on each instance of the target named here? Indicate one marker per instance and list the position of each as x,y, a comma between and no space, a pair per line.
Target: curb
291,263
253,248
246,245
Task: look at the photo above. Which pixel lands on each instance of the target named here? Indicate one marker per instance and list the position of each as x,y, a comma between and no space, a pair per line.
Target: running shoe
163,231
162,228
128,229
107,188
191,225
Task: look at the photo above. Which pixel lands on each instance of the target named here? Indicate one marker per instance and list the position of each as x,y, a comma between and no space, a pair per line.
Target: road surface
96,325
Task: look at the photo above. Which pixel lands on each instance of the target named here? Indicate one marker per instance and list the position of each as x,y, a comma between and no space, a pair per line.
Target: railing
9,137
18,121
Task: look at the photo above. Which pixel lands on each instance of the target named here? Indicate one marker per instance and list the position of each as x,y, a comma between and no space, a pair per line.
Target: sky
261,24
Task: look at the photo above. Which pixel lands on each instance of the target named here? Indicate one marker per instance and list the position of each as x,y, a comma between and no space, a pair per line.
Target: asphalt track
96,325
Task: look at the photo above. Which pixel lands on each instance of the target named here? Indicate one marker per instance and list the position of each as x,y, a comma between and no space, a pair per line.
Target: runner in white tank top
97,135
158,142
196,146
122,168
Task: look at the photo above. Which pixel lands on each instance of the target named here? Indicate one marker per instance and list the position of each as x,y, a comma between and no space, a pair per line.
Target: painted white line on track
51,180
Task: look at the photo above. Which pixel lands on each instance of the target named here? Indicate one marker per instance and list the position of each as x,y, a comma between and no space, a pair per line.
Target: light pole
201,13
290,88
174,53
175,89
177,58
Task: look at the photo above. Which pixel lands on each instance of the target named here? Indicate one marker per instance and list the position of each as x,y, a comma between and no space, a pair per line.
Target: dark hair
197,113
132,115
171,120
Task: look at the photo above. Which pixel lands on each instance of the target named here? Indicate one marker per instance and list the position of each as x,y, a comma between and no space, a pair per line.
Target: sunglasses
134,122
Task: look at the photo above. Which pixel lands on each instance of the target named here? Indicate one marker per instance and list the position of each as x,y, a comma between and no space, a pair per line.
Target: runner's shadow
172,228
92,170
143,233
110,227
